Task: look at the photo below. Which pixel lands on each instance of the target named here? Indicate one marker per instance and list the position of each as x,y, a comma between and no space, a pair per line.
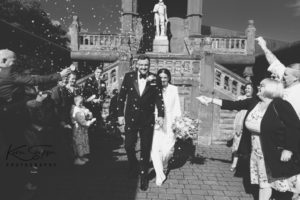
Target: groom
141,94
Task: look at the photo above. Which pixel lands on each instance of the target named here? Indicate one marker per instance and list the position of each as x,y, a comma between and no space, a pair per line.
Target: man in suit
13,115
94,92
140,94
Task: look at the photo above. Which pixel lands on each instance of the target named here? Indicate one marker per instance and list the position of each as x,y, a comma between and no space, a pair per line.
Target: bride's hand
160,121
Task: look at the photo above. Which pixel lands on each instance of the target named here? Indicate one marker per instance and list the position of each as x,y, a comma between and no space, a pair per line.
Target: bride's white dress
163,138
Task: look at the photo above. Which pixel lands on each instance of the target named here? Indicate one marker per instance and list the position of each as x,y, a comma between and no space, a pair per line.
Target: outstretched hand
286,155
65,72
261,42
204,100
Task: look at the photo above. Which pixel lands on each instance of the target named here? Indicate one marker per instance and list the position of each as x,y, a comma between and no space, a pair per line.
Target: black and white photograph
149,100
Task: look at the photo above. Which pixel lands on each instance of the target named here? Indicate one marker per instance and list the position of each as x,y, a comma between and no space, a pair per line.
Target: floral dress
258,173
80,117
238,127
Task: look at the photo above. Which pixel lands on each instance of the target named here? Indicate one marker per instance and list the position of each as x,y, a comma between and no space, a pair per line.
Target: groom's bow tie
144,76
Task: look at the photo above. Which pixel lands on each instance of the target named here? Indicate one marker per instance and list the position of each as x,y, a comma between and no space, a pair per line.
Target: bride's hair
165,71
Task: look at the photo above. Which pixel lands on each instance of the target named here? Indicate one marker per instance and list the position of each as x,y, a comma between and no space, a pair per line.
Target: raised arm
276,67
37,80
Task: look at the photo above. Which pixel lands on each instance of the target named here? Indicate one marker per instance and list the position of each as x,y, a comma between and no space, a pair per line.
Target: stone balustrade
229,45
109,42
219,45
228,82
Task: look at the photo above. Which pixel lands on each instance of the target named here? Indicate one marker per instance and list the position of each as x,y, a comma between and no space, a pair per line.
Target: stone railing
228,82
229,45
109,42
220,45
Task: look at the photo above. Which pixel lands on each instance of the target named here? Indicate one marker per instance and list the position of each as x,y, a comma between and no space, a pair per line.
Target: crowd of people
266,128
58,119
270,140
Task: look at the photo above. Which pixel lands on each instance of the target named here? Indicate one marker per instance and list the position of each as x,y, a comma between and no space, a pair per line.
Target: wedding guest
113,114
163,137
94,92
82,119
12,93
13,108
64,99
271,134
290,76
238,125
41,130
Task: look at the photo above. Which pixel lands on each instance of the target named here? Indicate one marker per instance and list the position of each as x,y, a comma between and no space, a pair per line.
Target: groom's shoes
144,182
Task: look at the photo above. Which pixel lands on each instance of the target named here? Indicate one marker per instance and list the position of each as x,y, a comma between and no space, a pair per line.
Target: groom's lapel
136,84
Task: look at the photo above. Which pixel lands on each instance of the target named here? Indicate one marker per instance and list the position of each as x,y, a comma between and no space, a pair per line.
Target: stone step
226,126
226,132
226,120
227,114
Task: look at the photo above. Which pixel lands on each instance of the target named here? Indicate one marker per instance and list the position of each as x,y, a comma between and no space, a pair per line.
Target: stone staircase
226,123
228,85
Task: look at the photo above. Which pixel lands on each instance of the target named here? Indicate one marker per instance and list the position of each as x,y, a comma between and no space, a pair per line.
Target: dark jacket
280,129
139,109
12,83
113,108
92,87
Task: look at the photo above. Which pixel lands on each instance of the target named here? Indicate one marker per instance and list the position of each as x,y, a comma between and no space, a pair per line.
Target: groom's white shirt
142,84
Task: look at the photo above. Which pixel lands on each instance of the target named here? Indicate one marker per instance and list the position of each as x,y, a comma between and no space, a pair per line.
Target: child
82,119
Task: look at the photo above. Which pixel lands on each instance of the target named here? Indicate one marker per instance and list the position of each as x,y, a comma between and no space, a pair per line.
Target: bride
163,138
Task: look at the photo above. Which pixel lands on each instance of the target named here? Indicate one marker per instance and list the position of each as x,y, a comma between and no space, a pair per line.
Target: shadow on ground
103,177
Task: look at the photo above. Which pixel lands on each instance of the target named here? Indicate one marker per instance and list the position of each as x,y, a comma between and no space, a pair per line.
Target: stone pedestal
161,44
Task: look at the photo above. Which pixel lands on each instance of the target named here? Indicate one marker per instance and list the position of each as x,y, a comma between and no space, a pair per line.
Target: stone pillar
206,113
74,34
250,34
129,11
194,16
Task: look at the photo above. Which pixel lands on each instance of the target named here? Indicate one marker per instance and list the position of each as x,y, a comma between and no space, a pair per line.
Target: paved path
208,178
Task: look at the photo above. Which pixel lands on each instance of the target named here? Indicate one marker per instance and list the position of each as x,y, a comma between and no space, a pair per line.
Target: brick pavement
105,177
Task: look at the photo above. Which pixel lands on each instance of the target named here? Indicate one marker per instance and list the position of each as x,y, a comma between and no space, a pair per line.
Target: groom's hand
121,120
160,121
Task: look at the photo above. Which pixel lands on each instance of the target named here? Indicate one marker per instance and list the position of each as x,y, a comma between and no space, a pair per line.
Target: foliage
27,14
26,29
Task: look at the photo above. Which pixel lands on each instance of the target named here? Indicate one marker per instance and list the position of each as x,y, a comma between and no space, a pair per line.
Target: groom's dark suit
139,116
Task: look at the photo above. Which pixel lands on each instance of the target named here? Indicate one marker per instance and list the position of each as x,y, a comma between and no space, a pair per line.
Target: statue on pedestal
160,18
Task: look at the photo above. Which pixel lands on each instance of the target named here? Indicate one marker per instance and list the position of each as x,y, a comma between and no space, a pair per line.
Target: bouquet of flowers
185,127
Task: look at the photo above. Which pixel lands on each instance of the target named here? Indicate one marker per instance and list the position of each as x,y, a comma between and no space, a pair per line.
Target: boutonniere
151,79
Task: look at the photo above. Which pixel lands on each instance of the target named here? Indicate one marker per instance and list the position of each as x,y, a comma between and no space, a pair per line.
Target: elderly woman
271,134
